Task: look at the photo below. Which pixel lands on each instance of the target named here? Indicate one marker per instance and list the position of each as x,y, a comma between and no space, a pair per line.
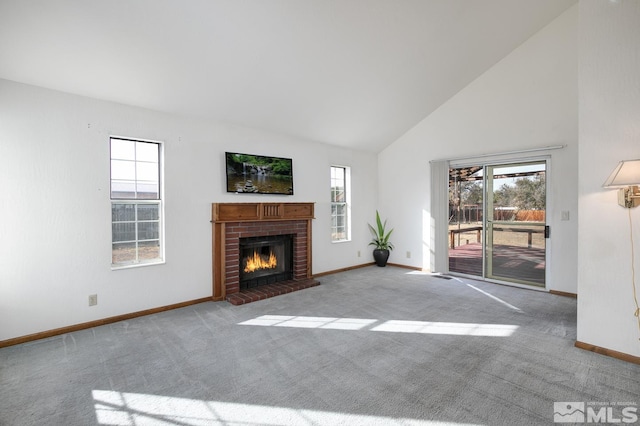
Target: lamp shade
626,173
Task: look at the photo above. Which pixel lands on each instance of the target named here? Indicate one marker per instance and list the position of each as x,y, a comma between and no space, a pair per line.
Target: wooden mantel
232,221
251,212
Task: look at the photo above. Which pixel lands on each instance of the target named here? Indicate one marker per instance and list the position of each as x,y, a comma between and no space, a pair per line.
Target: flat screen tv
258,174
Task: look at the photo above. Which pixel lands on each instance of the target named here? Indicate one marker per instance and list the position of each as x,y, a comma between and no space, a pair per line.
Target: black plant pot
381,256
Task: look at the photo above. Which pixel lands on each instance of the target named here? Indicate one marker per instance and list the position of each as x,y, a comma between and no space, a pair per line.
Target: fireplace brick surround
232,221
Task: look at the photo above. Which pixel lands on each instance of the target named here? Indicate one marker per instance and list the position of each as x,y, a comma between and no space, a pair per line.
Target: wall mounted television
258,174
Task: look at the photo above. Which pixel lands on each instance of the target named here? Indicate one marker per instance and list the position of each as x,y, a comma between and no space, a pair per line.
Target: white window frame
138,241
345,204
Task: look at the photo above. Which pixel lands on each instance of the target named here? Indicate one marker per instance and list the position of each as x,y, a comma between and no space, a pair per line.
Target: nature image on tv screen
257,174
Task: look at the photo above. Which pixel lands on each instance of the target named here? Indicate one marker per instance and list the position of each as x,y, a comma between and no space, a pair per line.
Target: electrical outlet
93,299
408,255
564,215
358,253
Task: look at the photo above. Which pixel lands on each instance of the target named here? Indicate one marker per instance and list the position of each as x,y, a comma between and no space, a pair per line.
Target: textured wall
609,132
55,229
529,99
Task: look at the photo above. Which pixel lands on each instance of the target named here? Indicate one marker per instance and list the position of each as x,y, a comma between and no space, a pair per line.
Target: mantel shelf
251,212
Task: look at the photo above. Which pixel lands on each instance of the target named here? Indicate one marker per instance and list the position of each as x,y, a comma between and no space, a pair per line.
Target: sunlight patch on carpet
310,322
497,299
393,326
450,328
134,409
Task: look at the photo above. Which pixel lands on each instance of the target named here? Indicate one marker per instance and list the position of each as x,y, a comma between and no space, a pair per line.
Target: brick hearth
232,221
269,290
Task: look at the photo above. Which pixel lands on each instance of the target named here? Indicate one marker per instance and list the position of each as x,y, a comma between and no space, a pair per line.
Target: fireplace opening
265,260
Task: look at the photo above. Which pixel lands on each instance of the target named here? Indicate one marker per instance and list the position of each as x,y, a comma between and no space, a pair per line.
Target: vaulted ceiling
354,73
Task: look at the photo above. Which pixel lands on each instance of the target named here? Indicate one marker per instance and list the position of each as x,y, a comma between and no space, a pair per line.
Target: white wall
609,132
527,100
55,217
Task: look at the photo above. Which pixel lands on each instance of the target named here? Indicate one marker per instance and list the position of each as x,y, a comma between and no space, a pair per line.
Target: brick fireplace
234,223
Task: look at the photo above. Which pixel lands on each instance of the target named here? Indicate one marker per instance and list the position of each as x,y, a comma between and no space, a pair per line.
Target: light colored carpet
371,346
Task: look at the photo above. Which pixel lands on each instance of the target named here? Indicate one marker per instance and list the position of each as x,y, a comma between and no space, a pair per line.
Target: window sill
136,265
340,241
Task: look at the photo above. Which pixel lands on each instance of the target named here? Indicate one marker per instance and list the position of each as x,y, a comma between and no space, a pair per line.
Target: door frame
501,161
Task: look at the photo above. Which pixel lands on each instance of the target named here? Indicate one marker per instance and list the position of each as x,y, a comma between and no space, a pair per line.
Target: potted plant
380,241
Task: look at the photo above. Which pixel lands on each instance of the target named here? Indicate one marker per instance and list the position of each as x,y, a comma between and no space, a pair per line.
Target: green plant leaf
381,236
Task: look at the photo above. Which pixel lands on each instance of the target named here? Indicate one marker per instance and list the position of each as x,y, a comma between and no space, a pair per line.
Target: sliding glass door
497,225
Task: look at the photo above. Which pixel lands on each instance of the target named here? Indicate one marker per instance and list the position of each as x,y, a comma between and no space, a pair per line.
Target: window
340,229
136,206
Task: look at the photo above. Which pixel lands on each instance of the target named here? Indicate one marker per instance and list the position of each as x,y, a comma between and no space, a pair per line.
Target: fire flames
258,262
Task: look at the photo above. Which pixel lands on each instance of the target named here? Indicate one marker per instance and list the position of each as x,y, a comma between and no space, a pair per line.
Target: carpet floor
385,346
